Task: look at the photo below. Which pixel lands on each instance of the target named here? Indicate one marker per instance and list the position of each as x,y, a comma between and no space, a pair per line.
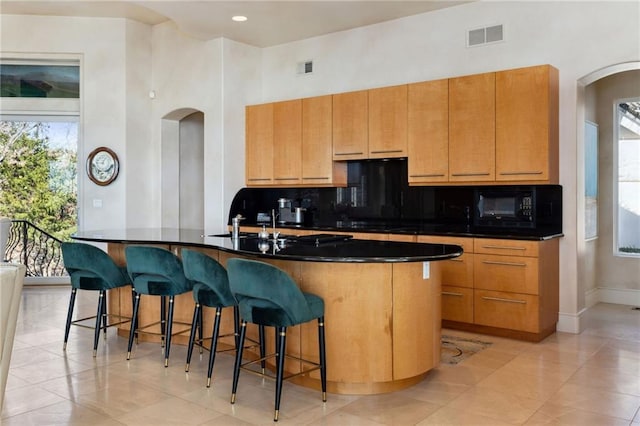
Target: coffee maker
287,213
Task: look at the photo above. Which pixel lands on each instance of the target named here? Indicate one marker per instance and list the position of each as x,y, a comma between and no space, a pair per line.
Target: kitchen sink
228,235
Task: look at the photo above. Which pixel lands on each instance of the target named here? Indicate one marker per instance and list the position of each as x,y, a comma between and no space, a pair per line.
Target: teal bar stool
268,296
157,272
211,289
92,269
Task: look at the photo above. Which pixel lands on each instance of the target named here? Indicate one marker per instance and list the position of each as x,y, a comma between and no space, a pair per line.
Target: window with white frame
39,128
627,178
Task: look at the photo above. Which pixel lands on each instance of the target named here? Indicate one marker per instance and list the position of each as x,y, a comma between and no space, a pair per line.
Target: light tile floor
587,379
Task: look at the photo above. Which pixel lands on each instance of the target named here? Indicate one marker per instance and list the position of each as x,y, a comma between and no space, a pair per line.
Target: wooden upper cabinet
259,144
428,132
287,142
527,124
350,125
318,168
472,128
388,122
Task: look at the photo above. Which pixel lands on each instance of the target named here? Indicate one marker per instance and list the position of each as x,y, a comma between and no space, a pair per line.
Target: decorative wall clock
102,166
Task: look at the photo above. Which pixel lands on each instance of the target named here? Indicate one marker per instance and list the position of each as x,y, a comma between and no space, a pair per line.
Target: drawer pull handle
504,247
316,178
450,293
490,262
471,174
430,175
520,173
499,299
388,151
457,260
287,178
348,153
258,179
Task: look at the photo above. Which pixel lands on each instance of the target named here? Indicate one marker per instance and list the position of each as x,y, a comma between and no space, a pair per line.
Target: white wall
139,162
218,78
110,106
578,38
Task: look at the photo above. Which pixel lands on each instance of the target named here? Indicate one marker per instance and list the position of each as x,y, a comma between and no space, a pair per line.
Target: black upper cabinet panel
377,197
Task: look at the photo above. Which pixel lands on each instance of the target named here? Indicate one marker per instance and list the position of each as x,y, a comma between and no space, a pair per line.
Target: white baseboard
572,323
37,281
617,296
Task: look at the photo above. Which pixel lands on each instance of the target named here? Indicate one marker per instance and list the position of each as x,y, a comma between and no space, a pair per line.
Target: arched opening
602,275
183,169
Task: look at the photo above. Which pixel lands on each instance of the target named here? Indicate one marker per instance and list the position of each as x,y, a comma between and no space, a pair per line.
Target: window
39,142
627,179
39,81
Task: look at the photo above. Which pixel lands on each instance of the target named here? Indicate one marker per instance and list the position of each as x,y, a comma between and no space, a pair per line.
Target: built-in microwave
519,206
505,207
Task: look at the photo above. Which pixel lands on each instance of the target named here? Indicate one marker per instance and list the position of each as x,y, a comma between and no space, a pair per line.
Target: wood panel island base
382,317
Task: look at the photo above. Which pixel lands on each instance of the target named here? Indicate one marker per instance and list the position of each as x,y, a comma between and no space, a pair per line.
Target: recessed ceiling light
239,18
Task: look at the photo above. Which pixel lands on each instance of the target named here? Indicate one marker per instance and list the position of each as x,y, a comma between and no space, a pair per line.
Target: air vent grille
305,67
480,36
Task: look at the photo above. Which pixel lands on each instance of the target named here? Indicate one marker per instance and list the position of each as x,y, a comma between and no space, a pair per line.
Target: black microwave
505,207
519,206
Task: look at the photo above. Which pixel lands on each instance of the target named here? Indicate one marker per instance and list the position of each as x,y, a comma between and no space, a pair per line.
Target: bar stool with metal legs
157,272
90,268
268,296
210,288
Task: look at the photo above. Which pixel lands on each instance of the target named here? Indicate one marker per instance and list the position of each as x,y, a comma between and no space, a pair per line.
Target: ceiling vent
305,67
485,35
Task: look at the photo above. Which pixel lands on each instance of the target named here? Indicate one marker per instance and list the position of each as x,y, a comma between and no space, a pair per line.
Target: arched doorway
602,276
183,169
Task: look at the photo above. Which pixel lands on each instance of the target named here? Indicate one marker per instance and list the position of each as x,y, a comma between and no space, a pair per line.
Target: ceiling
269,23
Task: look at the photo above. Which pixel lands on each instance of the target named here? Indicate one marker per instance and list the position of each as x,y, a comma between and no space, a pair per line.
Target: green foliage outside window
37,181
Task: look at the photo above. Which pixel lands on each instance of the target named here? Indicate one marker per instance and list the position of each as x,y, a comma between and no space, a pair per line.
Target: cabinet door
287,142
388,122
318,167
506,310
506,247
527,124
428,132
472,128
457,304
350,125
259,144
517,274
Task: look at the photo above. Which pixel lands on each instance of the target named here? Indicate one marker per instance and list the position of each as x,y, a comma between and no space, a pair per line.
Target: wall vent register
485,35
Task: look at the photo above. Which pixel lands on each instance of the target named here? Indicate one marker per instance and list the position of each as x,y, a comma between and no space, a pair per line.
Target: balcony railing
35,248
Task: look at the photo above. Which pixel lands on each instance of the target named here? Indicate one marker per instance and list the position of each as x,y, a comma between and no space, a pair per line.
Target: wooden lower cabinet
382,320
507,310
457,303
516,274
501,287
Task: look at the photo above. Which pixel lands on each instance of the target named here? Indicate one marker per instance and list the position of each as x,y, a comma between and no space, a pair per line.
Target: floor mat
455,349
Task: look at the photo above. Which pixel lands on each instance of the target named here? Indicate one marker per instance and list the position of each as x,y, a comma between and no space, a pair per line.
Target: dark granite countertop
453,230
287,247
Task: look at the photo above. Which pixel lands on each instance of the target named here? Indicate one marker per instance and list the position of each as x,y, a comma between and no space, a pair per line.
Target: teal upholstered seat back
156,271
211,284
268,296
91,268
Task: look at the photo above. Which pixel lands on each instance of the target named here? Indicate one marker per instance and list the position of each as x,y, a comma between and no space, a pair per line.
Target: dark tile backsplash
377,196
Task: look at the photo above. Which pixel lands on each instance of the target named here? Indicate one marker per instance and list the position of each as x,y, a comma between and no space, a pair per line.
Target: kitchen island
382,300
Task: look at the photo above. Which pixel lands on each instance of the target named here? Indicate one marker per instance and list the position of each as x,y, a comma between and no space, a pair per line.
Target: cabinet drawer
457,304
458,271
506,310
505,273
506,247
465,243
402,238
